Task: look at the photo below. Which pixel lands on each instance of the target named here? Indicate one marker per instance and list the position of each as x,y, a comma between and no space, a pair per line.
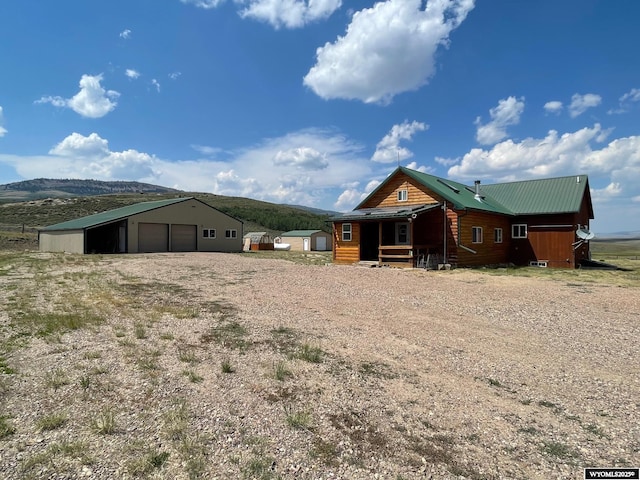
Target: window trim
231,233
474,235
347,233
208,232
519,227
497,235
402,195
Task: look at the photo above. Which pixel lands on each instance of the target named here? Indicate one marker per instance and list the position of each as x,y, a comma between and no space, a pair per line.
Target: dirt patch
230,366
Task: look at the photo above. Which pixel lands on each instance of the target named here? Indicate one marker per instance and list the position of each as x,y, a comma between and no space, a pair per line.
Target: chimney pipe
477,196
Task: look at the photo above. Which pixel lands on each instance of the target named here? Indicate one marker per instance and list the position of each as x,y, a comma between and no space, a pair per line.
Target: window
403,195
519,230
497,235
231,233
208,233
346,232
476,234
402,233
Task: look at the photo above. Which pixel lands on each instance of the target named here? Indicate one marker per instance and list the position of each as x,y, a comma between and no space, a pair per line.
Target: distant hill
41,202
317,211
621,236
61,188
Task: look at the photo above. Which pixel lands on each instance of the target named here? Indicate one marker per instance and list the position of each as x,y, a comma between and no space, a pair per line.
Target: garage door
153,237
321,243
183,238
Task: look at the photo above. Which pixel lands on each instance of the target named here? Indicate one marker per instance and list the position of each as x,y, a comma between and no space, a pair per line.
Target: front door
402,233
369,240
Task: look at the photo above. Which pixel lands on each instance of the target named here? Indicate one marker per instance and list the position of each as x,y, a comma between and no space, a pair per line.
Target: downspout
459,233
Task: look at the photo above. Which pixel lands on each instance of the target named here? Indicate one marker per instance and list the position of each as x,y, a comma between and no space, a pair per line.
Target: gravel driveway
227,366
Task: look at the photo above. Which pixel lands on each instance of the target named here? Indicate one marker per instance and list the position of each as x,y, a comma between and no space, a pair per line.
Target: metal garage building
174,225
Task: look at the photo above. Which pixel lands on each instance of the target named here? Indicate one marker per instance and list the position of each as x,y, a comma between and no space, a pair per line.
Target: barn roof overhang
385,213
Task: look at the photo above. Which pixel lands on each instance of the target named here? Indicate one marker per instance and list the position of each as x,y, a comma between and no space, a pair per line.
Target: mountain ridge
49,187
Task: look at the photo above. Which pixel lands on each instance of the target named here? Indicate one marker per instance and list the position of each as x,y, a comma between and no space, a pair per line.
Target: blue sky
315,102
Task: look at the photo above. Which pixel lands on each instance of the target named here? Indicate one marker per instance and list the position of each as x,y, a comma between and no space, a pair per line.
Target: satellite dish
585,234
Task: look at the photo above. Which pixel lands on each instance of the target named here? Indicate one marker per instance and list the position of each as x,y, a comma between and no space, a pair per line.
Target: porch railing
400,255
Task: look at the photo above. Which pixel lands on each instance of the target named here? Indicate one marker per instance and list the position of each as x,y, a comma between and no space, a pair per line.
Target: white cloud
615,165
156,84
420,168
247,172
553,155
289,13
278,13
507,113
304,158
203,3
387,49
77,145
351,196
92,101
553,106
3,131
388,149
447,162
626,101
285,169
632,96
580,103
174,75
126,34
206,150
90,157
131,73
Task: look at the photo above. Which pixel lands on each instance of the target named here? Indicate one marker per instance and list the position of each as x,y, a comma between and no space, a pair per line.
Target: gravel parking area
227,366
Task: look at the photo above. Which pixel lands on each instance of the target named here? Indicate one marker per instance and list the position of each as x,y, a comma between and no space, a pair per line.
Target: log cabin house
413,219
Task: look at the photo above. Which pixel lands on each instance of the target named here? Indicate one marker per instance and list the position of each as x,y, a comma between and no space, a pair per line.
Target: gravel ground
226,366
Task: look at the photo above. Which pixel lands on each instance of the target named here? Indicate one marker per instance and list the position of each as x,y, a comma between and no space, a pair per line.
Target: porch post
379,240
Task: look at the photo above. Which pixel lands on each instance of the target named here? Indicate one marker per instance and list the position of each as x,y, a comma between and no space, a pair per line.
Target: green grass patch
227,367
52,421
5,368
230,335
309,353
192,376
300,419
6,427
300,258
104,422
52,323
56,379
260,467
559,450
281,372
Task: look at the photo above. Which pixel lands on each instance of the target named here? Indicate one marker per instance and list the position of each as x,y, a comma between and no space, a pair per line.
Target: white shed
306,240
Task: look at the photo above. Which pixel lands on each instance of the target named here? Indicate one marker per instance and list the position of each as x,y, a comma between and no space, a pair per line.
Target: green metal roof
299,233
112,215
458,194
544,196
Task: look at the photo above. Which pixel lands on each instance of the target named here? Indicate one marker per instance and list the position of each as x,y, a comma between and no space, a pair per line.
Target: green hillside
257,215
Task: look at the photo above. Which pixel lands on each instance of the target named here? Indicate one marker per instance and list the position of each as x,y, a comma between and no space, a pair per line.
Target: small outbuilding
306,240
174,225
257,241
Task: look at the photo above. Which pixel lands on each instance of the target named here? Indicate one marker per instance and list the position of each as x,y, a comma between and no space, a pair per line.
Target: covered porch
405,237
